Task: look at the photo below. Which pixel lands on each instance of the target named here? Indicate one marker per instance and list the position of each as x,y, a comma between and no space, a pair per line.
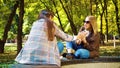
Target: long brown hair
46,14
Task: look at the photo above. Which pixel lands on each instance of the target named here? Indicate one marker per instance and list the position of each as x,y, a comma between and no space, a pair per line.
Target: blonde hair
93,22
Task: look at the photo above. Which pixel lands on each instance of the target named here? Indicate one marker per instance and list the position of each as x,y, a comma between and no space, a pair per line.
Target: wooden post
106,38
114,40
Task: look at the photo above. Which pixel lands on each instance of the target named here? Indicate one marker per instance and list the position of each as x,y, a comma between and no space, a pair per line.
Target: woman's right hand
78,41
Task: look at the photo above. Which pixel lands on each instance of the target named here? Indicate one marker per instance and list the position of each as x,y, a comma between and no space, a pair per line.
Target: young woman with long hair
41,46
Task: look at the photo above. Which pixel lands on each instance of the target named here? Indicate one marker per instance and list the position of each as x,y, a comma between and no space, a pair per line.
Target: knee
60,46
69,44
82,53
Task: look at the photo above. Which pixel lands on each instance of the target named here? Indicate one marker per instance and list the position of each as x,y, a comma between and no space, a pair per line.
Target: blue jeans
60,46
80,52
73,45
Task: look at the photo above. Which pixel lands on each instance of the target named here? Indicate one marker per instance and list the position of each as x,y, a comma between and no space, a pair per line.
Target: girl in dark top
87,44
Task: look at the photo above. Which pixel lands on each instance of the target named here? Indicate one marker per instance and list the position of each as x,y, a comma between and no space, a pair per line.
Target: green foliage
77,9
5,9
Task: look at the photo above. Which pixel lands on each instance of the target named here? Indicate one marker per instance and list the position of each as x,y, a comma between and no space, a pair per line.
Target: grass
9,55
108,49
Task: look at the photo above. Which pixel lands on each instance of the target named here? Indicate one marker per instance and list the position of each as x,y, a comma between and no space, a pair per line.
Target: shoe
69,55
63,58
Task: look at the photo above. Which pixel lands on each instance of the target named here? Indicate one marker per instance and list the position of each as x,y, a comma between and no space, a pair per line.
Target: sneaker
63,58
64,54
69,55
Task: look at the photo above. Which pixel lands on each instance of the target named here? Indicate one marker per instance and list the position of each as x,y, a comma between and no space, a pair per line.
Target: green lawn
11,50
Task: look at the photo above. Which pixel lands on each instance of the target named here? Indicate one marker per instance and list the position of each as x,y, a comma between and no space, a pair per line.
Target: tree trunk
19,35
7,27
117,17
58,15
91,7
2,43
74,30
106,18
101,16
101,23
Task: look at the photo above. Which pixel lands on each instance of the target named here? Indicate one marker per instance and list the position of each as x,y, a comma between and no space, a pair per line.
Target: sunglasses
86,21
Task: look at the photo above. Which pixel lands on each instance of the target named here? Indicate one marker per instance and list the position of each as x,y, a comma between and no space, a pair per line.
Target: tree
7,27
20,25
68,13
91,7
115,2
101,14
58,16
69,16
106,18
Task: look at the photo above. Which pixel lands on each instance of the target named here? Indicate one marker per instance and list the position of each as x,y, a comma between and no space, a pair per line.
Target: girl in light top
41,46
